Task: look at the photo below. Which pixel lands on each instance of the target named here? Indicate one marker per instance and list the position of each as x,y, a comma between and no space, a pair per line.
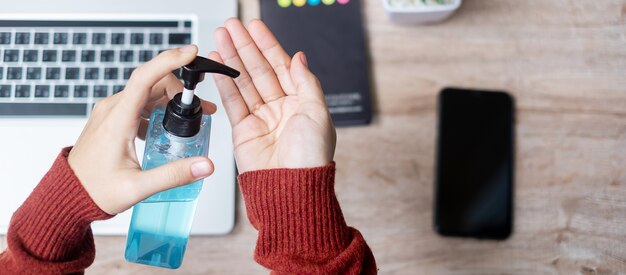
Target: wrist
57,210
287,205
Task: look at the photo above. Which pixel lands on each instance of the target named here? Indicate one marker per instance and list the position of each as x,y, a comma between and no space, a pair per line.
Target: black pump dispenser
193,73
184,120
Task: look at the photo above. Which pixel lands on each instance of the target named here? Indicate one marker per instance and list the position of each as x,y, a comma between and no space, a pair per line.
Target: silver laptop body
57,58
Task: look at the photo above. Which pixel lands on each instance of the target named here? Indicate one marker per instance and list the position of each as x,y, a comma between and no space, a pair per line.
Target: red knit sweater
301,227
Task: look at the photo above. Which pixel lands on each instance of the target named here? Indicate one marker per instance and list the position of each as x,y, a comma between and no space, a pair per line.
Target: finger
166,89
308,87
260,71
161,92
208,108
173,174
139,86
150,106
234,104
244,83
168,86
274,53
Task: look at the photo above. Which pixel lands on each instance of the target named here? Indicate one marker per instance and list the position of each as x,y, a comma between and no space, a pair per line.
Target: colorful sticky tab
284,3
301,3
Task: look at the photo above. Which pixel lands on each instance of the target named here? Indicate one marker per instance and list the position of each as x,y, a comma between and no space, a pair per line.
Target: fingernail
186,49
303,59
200,169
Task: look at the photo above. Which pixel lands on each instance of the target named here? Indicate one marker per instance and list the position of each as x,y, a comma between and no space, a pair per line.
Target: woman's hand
276,106
104,157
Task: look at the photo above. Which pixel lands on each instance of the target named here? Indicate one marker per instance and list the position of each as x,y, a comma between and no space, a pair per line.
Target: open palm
276,106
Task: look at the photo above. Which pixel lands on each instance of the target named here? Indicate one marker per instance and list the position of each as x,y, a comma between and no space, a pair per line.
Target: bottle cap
183,114
181,119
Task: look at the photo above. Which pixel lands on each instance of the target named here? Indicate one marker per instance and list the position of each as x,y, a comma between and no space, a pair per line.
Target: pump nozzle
183,113
192,73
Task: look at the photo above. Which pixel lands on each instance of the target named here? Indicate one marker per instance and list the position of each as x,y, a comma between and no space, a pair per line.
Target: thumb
174,174
308,86
139,86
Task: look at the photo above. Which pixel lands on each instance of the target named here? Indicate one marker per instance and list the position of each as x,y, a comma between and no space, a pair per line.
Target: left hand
104,157
276,106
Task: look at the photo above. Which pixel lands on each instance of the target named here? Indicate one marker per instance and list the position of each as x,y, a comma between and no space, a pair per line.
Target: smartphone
474,169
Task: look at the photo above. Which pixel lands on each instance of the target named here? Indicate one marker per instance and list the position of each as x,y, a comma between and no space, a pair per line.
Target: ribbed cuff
54,221
295,211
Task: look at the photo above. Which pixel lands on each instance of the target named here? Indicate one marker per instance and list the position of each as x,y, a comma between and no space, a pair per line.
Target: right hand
104,158
276,106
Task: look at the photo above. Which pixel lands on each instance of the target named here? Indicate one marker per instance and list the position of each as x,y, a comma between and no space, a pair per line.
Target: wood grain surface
564,61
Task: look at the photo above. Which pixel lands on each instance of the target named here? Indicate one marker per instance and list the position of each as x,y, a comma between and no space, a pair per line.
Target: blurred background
563,61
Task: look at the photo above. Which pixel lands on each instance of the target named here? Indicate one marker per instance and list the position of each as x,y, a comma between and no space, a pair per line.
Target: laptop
57,58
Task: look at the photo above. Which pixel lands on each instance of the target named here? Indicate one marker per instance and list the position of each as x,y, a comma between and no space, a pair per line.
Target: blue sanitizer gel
160,225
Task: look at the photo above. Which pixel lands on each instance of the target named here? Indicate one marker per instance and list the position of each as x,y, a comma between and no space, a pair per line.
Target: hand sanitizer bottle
160,224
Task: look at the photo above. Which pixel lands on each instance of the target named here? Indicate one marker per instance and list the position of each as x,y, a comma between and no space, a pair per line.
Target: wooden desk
565,63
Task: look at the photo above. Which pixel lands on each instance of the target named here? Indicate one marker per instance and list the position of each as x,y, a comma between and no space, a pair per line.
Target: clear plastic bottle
160,224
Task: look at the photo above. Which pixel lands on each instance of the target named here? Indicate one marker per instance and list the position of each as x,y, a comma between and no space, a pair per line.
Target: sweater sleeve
301,227
50,233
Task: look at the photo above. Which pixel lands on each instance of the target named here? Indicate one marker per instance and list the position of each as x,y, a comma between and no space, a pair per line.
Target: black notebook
331,34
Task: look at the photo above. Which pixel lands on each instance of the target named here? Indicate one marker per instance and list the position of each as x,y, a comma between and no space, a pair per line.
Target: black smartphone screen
474,176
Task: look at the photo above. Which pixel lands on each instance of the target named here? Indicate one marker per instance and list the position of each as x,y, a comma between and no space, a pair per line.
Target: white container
420,13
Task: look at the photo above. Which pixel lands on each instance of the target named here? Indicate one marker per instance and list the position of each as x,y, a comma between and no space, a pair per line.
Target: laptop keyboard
61,68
